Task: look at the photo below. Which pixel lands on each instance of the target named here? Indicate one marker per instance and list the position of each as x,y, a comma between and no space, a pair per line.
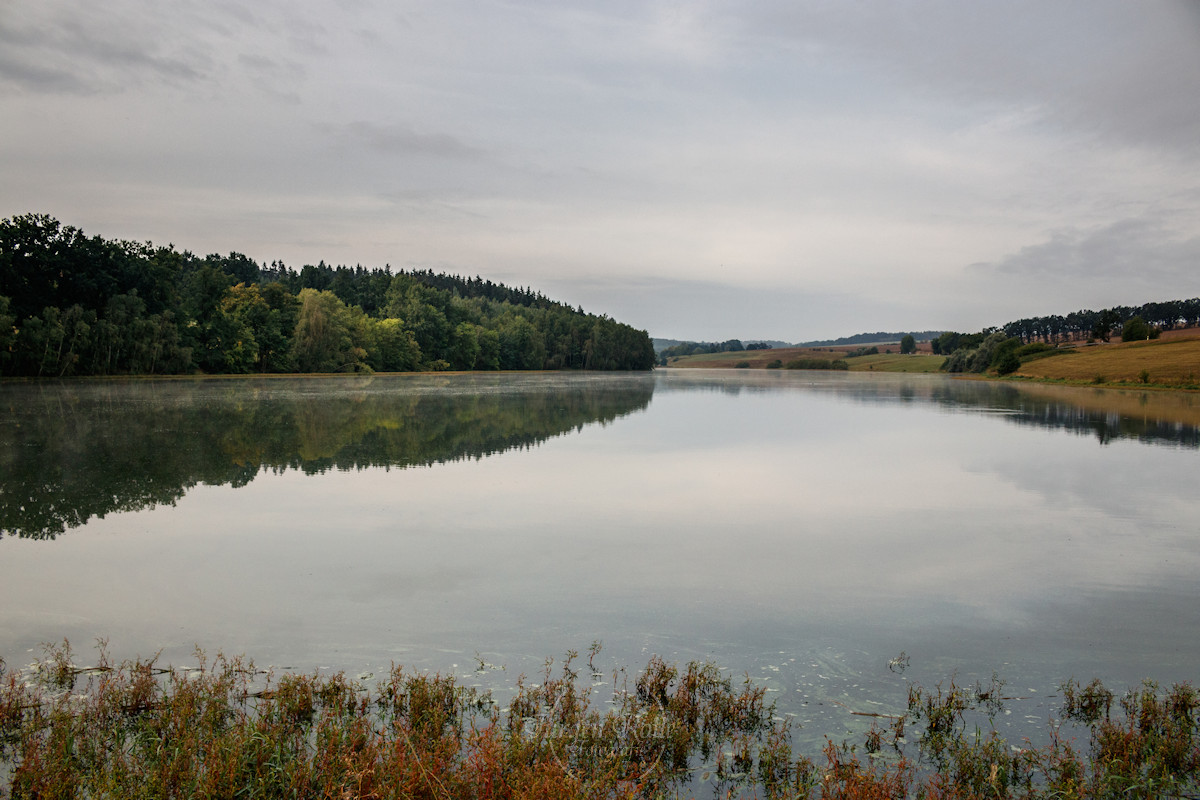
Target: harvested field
1171,362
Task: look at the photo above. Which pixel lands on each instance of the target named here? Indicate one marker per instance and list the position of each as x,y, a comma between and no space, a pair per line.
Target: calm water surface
803,528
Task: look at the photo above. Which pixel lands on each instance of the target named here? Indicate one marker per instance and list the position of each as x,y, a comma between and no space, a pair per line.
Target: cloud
1113,70
93,49
1144,248
403,140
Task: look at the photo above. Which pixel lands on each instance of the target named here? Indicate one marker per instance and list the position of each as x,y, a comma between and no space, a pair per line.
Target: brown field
1173,360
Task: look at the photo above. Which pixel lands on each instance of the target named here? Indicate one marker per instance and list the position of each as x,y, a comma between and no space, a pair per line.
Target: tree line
1166,315
682,349
1003,349
77,305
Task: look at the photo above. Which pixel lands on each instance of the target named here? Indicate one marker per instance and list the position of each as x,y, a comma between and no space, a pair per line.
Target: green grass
896,363
226,729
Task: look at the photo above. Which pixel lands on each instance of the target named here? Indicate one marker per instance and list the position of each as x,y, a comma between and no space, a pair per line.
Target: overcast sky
704,170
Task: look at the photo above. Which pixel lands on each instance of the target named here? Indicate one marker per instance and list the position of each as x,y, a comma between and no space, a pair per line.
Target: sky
703,170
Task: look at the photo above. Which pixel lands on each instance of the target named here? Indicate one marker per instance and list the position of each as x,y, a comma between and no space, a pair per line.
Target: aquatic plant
227,729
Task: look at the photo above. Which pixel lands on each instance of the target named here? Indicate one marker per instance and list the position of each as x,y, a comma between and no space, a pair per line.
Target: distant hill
879,337
663,344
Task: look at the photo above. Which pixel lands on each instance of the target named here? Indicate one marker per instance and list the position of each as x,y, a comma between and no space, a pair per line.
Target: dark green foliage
1136,329
70,305
1006,362
698,348
1033,349
1159,316
908,344
975,352
951,343
946,343
1004,358
996,351
872,338
1103,326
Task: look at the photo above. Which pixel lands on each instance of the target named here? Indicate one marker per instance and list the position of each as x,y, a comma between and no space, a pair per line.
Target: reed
226,729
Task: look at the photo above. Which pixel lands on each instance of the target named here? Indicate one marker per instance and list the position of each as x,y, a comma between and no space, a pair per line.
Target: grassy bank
224,729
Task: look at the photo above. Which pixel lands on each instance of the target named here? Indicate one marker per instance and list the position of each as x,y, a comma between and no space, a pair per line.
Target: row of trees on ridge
1003,349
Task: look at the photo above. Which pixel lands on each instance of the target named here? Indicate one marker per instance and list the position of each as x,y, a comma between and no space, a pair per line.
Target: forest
71,304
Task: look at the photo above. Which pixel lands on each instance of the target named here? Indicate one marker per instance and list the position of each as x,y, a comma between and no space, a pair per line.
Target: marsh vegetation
224,728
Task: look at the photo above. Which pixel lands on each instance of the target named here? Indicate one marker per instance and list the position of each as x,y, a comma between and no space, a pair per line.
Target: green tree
8,334
324,339
1136,329
489,349
243,313
1103,327
464,346
274,333
908,344
393,347
521,345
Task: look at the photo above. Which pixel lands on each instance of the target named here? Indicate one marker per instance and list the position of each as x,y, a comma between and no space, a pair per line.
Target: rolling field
759,359
1170,362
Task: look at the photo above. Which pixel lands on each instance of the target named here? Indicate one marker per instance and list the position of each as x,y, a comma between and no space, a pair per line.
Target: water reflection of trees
1161,418
71,452
1108,415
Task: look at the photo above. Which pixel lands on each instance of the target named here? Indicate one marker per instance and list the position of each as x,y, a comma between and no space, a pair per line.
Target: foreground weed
226,729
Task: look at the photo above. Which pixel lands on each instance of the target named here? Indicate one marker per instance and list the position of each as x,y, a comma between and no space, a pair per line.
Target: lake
803,528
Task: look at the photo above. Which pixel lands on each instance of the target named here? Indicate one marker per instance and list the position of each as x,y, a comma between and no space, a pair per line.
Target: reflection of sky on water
751,526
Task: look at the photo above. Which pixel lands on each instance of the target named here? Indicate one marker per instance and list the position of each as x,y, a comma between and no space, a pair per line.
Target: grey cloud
122,53
1128,71
1142,248
272,71
429,204
403,140
90,54
32,75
